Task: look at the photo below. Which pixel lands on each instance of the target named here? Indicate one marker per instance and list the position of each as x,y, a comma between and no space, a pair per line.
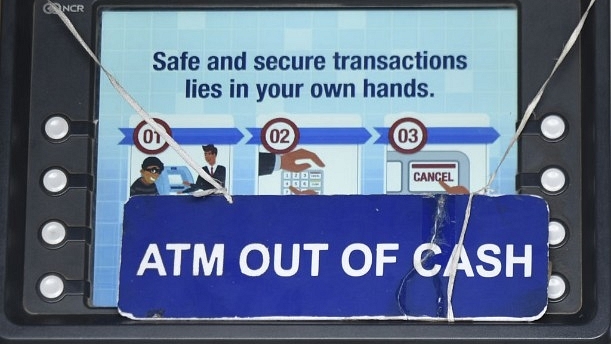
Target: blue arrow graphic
194,136
451,135
127,136
322,135
436,135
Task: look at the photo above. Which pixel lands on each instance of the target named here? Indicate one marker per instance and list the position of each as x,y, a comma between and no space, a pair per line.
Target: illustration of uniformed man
218,172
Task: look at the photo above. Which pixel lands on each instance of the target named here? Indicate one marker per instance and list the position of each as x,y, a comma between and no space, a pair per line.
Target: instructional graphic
370,102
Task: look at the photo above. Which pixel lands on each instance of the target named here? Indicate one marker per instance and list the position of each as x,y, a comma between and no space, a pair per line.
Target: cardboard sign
355,256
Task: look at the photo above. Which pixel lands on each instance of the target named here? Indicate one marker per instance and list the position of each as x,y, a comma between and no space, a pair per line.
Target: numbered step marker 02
280,135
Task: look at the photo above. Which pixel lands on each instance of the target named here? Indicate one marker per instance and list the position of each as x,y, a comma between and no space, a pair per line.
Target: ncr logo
49,7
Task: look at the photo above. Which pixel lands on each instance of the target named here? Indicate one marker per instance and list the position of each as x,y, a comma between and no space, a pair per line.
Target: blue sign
351,256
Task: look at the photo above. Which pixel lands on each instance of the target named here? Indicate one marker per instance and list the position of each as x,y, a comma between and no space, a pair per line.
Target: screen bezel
592,97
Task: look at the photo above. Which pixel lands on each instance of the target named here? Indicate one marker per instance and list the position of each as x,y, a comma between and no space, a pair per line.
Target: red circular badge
407,135
280,135
147,140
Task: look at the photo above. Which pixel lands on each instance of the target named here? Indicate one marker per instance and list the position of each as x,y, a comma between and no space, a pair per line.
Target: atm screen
335,82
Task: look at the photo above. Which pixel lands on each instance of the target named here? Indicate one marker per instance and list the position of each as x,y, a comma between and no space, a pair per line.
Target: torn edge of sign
444,302
160,317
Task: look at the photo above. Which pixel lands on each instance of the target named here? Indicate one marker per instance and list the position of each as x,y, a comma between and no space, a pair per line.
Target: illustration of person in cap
218,172
145,185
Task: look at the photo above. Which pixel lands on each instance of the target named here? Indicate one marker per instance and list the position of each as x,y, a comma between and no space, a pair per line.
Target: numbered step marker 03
407,135
426,150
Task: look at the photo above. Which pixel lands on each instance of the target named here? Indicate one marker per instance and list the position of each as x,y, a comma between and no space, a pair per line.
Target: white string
455,253
527,114
145,116
533,104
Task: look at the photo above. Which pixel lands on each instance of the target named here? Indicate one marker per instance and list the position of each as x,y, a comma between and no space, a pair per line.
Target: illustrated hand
454,190
288,161
302,192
